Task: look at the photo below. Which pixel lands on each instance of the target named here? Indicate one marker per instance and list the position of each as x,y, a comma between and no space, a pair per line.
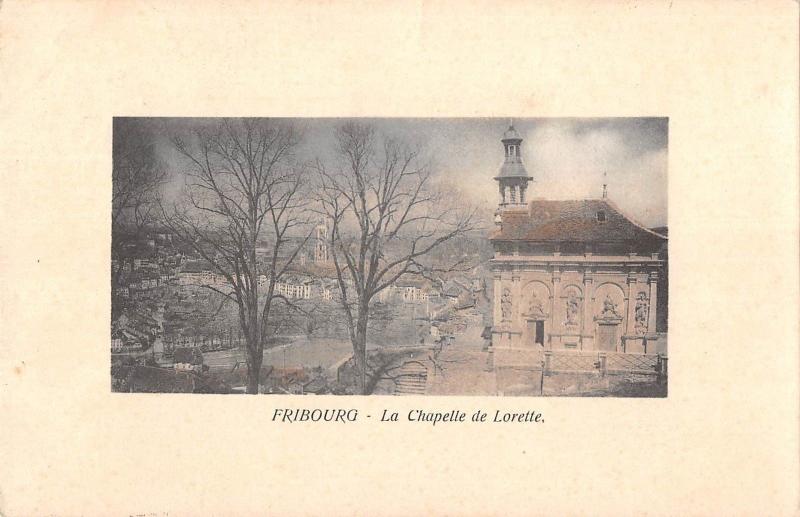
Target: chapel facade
570,274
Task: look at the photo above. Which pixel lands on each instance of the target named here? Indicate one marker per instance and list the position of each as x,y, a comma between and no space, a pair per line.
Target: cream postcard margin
724,442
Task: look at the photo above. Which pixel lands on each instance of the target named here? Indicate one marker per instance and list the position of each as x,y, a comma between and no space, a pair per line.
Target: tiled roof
572,221
512,170
407,280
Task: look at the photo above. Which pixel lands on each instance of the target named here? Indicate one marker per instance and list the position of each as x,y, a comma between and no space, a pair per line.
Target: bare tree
137,176
243,190
387,218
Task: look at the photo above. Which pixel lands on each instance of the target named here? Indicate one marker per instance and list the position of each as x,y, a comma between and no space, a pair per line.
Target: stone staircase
412,379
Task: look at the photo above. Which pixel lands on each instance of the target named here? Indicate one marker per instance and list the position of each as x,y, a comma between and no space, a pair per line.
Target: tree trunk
255,351
360,354
253,370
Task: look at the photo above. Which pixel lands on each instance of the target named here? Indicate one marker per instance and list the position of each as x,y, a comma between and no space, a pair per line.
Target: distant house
142,280
126,341
411,289
196,272
295,286
327,288
452,290
148,264
430,294
410,293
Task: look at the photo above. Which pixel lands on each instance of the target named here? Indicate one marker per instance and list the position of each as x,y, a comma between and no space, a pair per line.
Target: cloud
568,161
567,157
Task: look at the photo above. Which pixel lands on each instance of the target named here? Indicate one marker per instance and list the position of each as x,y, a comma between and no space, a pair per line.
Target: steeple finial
605,185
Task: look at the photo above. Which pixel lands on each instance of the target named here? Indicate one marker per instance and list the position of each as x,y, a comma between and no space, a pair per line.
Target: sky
567,157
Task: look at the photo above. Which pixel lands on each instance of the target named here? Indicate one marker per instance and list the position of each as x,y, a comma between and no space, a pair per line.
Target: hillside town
169,321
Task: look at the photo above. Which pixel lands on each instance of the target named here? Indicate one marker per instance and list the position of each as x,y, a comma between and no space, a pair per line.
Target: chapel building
570,274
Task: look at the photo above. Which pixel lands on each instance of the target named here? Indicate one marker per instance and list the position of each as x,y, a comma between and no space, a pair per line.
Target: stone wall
523,373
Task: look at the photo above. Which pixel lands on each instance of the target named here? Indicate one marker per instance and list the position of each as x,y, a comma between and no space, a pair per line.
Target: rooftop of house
296,279
583,220
411,280
315,269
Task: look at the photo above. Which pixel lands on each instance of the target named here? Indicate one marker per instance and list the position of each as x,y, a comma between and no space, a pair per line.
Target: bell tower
321,243
513,178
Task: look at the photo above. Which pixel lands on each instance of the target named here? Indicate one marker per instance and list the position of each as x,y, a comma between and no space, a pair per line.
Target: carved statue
609,308
506,304
572,310
536,307
641,312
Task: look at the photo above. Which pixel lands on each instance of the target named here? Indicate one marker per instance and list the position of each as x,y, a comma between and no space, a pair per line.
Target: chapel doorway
536,331
607,338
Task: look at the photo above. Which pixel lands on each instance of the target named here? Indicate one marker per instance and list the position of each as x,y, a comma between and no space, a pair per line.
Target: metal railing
604,363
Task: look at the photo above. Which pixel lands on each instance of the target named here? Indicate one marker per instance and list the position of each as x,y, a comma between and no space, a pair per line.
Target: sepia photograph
446,243
472,256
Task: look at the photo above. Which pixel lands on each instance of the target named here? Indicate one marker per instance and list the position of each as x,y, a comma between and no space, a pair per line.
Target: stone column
554,302
630,325
630,316
516,315
653,303
588,306
498,293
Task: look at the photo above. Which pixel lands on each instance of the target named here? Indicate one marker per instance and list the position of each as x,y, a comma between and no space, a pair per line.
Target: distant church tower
321,243
513,178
